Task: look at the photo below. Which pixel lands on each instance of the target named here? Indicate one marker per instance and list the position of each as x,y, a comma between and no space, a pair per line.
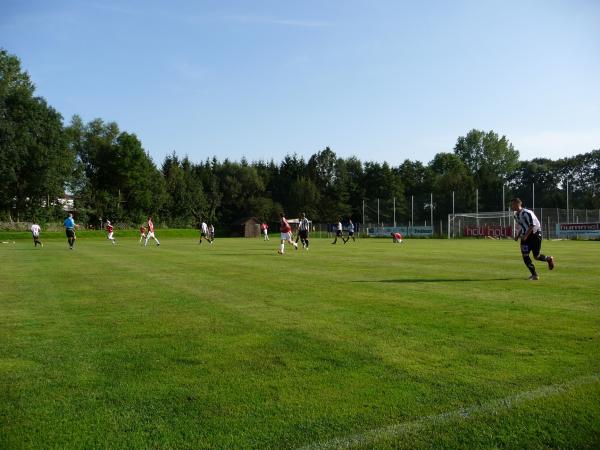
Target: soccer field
428,344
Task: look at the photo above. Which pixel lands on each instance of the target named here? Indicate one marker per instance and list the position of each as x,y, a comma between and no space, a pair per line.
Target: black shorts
339,233
350,233
70,233
303,234
532,244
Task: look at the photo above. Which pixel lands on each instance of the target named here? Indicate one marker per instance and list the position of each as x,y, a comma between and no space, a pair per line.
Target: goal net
495,225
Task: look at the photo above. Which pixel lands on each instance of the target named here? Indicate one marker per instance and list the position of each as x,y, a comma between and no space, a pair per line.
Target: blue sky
381,80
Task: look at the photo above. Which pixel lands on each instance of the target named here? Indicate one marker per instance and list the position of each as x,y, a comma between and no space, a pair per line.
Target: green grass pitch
428,344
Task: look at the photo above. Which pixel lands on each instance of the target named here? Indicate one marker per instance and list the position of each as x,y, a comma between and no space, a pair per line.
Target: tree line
111,176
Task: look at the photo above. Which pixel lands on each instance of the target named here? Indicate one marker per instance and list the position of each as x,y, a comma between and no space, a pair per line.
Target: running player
264,229
35,233
303,228
70,231
531,237
204,233
286,234
151,233
109,230
142,233
338,231
350,232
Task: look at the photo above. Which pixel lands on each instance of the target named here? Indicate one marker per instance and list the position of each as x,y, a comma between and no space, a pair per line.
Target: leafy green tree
490,160
450,175
208,175
303,197
117,177
583,173
329,175
186,204
321,168
384,185
355,187
35,160
539,174
417,180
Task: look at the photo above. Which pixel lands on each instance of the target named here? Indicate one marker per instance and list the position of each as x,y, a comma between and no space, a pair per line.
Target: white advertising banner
404,231
565,230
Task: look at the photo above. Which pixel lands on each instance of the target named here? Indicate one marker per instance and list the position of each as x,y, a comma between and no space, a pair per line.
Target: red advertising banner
488,230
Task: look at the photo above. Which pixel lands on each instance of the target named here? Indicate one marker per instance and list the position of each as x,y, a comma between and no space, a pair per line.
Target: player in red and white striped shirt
286,234
109,230
142,233
150,233
397,238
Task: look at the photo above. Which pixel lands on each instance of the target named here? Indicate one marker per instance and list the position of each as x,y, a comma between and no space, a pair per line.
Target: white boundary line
493,406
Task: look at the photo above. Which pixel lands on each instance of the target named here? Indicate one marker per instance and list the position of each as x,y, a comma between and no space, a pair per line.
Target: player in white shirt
204,233
35,232
531,237
150,233
338,231
265,230
303,229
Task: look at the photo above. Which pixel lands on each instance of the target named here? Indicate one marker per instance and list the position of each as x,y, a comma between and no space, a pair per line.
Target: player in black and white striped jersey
303,228
531,237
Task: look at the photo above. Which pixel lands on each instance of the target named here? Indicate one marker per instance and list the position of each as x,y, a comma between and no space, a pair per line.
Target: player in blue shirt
70,230
350,232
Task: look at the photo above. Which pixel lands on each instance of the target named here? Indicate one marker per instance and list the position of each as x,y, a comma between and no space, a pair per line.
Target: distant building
247,227
67,202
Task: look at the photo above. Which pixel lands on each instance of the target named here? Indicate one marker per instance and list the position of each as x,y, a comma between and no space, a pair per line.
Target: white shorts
110,235
150,235
286,236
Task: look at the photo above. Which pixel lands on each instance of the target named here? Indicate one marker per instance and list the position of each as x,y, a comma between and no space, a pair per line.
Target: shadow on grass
432,280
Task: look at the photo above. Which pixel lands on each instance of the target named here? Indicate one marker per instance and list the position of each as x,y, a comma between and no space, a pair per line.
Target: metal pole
412,211
363,213
394,212
533,196
431,209
378,212
477,205
453,217
503,206
567,200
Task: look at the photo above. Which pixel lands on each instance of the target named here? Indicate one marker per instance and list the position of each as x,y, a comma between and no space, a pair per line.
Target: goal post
499,224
